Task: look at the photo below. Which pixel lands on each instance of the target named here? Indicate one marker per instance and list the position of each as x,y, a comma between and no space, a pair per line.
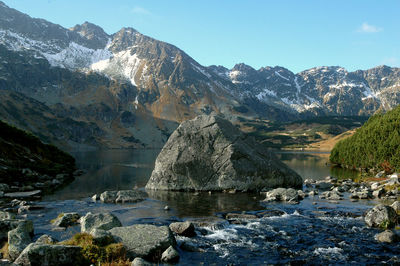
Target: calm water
127,169
313,232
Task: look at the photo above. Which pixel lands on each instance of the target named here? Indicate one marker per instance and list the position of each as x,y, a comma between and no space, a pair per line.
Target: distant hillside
27,162
375,145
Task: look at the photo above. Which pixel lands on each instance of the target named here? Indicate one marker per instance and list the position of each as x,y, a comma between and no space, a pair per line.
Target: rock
364,194
19,238
26,194
331,195
322,185
380,174
393,179
213,223
375,186
67,219
378,193
144,240
387,236
313,193
104,221
183,229
45,254
130,196
396,206
95,197
4,187
339,189
208,153
122,196
282,194
309,181
108,196
101,237
170,255
190,247
140,262
270,213
331,179
381,216
46,239
354,196
6,215
230,216
7,225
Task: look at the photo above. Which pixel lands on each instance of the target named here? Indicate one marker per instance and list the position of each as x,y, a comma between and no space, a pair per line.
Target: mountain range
81,87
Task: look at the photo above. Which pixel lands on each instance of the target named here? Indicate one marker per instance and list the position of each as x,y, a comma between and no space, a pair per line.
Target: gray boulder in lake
104,221
144,240
209,153
381,216
45,254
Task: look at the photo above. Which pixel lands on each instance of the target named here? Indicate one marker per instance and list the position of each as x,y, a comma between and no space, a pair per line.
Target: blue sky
296,34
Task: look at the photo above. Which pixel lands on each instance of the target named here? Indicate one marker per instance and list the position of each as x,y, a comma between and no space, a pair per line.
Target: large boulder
209,153
19,238
45,254
183,228
381,216
103,221
7,225
144,240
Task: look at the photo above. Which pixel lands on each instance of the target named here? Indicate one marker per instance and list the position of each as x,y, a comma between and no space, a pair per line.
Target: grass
111,254
4,251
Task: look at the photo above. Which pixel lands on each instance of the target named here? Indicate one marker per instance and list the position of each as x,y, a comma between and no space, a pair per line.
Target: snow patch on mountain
201,70
77,56
262,95
120,64
18,42
233,75
279,75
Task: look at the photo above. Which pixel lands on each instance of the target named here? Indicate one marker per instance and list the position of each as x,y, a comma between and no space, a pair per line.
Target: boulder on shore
208,153
44,254
381,216
144,240
104,221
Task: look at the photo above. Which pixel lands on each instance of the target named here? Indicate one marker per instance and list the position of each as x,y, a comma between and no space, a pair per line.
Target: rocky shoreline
147,243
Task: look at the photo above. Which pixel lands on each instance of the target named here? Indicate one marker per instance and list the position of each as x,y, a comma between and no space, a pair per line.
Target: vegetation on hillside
375,145
300,133
21,150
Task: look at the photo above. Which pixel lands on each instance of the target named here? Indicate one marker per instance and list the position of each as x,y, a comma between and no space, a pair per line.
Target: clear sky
296,34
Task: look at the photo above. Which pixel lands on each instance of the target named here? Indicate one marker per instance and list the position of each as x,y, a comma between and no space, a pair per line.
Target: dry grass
330,142
4,251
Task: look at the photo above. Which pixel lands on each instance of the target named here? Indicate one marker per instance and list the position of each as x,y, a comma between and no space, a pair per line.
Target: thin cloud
140,11
368,28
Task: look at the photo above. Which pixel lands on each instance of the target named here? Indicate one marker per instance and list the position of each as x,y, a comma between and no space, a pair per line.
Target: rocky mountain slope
130,90
27,164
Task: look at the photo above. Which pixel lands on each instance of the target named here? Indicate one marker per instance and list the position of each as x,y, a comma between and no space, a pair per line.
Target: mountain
376,145
131,90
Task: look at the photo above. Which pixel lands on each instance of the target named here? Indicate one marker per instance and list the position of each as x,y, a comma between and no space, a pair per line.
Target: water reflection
126,169
314,165
108,170
204,204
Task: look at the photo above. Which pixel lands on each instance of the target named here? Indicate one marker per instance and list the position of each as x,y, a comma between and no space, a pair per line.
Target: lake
316,231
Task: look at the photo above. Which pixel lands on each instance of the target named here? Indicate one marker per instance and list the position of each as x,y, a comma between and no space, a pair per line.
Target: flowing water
313,232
